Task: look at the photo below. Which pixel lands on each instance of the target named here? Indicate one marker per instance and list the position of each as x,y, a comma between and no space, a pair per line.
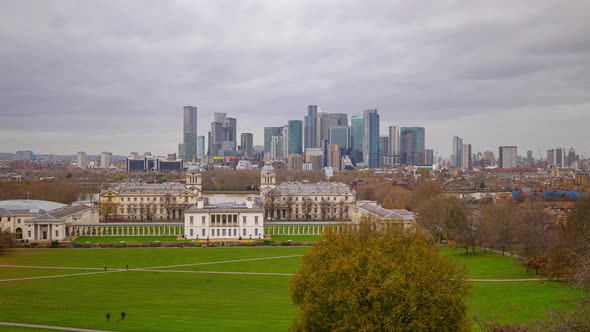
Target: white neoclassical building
224,220
151,202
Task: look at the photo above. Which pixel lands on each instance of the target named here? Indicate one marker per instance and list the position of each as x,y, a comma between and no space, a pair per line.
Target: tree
6,241
306,206
271,202
107,209
325,208
289,204
376,277
439,215
499,223
341,209
534,223
168,205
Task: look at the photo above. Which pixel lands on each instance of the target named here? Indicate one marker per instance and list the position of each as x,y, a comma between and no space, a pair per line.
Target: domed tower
268,178
193,178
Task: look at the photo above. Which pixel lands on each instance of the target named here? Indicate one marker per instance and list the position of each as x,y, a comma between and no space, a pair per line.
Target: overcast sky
114,75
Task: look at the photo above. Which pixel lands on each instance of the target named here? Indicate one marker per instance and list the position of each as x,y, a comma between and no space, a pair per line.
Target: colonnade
126,229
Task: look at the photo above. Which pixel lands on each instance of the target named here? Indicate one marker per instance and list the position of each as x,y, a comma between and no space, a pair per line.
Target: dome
193,168
268,169
31,205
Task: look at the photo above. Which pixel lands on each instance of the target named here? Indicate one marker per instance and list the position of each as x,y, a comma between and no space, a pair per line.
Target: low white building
402,217
224,220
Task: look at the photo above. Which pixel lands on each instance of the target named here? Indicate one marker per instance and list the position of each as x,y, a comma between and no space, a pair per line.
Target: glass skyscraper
412,145
295,137
371,140
189,133
310,130
357,137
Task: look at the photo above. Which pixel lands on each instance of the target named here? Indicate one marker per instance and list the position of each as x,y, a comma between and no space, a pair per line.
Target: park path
49,327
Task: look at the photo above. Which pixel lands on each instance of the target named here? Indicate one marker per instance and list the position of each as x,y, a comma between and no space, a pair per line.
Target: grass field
190,289
118,239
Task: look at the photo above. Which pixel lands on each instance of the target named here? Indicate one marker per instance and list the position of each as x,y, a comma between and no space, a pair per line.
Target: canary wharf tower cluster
321,139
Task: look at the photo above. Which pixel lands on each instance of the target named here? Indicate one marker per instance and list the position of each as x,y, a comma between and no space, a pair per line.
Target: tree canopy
375,277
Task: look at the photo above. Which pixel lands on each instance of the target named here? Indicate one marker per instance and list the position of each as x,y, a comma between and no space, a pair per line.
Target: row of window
222,232
315,198
155,199
222,219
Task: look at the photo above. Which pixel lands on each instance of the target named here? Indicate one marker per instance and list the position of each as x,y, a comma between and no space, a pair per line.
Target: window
8,218
18,221
235,232
29,232
56,233
255,231
203,232
244,232
218,232
256,220
223,232
203,220
191,232
244,220
191,219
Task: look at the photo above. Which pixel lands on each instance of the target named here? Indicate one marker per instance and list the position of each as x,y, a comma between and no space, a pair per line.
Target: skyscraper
247,144
295,137
560,157
412,145
507,157
467,162
357,137
371,139
341,137
310,124
189,133
334,157
529,158
393,144
457,152
269,132
230,133
200,147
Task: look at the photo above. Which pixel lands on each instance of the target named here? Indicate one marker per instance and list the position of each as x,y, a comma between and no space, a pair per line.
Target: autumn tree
306,206
423,192
271,202
439,215
289,204
376,277
534,223
499,223
6,241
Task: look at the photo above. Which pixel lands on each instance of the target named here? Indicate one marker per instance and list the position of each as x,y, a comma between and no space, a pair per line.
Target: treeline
61,191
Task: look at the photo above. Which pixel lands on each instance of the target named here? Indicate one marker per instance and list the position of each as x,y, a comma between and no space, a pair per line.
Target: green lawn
118,239
188,300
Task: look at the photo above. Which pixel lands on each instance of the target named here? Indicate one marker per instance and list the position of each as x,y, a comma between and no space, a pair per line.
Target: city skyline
107,81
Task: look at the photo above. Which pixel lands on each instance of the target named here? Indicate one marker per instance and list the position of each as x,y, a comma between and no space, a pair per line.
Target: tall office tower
216,138
571,156
507,158
247,144
383,149
315,157
326,121
560,157
371,139
82,160
230,133
285,142
200,147
310,127
189,133
357,137
412,145
457,152
467,162
269,132
334,157
106,159
219,117
551,157
340,136
428,157
295,137
276,147
529,158
393,144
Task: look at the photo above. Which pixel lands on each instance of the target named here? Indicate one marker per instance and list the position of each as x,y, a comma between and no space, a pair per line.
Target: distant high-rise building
189,133
371,139
571,156
340,135
230,133
200,147
285,142
551,157
428,157
529,158
383,149
219,117
269,132
106,159
467,162
457,152
393,144
488,156
507,157
216,138
276,147
295,162
295,137
315,157
247,144
310,127
24,155
82,160
412,145
357,137
334,156
560,157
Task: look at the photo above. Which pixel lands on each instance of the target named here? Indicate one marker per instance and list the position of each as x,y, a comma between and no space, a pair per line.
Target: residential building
106,159
393,144
269,132
295,162
334,156
507,157
82,160
467,162
24,155
247,144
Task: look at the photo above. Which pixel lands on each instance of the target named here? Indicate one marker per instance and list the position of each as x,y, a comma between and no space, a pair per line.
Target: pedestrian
127,267
105,268
108,316
123,315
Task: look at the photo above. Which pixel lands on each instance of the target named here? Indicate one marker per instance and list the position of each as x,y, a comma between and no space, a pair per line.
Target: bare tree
306,206
289,204
107,209
168,205
271,202
325,207
341,209
534,223
499,224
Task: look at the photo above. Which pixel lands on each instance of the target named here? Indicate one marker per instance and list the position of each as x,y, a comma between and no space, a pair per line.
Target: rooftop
320,188
29,206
